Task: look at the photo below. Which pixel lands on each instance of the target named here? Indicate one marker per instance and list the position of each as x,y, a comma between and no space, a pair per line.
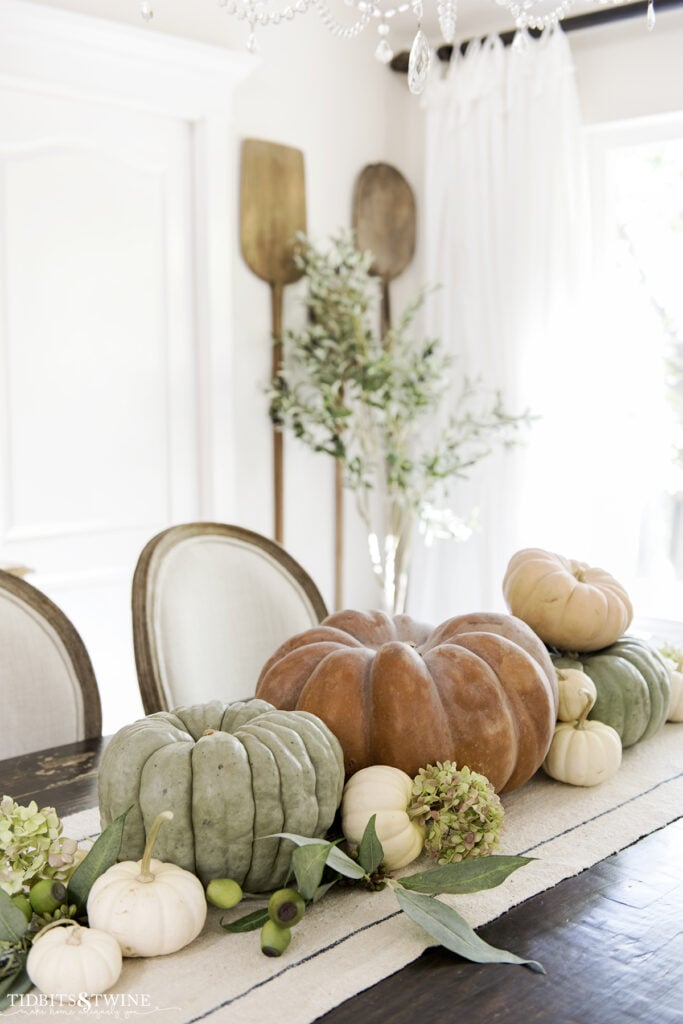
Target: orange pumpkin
479,690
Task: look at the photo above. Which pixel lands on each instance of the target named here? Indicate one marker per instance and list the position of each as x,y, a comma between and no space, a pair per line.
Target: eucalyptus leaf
370,852
308,864
336,859
451,930
464,876
323,889
248,923
14,986
13,923
101,856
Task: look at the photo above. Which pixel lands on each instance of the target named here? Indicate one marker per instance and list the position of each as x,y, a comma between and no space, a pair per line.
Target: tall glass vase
390,534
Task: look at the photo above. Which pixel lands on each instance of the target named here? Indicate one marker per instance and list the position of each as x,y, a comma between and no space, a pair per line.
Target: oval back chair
47,685
211,603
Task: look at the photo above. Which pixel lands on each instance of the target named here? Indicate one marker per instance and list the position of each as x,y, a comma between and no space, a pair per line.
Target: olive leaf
370,852
248,923
308,864
101,856
464,876
451,930
13,923
336,858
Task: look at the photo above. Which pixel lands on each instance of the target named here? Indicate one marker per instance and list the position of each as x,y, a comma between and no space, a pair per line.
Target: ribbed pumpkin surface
230,773
633,684
479,690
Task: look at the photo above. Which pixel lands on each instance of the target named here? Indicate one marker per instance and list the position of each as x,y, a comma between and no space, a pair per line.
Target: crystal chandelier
527,14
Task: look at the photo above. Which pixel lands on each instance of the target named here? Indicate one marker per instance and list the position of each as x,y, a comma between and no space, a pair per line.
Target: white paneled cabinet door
98,375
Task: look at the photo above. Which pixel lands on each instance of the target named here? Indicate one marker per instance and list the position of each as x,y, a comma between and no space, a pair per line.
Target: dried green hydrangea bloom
32,846
460,809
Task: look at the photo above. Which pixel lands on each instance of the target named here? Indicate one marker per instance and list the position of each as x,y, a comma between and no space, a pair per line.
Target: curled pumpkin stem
581,720
145,873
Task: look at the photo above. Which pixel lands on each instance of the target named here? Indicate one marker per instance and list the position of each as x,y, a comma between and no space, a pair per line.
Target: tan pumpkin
479,690
569,604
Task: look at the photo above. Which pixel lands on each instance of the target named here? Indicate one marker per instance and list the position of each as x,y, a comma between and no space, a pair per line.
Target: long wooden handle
385,322
278,446
338,534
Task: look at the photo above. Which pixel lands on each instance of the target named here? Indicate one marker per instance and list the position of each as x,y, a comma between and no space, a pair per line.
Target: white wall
333,100
330,98
624,71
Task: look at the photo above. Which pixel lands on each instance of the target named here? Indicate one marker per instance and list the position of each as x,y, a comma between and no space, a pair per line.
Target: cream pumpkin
675,712
66,959
385,792
583,753
150,907
568,604
573,685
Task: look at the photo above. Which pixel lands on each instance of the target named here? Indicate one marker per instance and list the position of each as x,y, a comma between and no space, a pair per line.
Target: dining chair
48,691
211,602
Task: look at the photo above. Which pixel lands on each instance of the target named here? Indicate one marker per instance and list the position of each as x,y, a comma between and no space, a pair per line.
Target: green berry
224,893
22,902
46,896
274,939
286,907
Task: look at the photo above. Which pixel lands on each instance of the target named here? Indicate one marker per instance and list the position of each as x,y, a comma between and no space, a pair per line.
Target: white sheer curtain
503,234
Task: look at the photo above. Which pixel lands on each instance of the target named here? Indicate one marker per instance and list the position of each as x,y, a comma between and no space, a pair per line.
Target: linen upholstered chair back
48,690
211,603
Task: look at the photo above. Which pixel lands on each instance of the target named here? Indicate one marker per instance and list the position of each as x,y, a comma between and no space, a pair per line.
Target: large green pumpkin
230,773
633,684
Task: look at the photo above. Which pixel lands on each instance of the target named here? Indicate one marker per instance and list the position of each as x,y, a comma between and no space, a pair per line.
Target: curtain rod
578,21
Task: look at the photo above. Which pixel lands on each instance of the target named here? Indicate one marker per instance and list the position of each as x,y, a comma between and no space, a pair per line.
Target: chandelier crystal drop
418,63
349,23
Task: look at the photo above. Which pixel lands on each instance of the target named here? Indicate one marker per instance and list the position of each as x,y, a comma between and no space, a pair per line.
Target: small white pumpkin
572,684
676,675
583,753
385,792
149,906
73,960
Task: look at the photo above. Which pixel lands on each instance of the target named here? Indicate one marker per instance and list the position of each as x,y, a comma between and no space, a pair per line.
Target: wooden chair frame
146,655
73,643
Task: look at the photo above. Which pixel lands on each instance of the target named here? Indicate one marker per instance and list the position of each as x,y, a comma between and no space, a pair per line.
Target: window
632,355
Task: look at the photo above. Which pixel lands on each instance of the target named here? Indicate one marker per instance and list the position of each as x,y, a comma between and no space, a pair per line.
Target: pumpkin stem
208,732
581,720
580,575
74,939
145,874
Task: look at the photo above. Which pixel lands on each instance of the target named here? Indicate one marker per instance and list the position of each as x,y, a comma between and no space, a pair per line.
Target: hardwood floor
610,939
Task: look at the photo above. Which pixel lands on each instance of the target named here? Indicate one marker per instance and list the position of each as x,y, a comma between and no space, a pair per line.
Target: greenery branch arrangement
456,817
317,865
375,403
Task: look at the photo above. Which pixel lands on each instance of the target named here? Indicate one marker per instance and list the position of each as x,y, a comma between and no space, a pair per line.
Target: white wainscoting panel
114,309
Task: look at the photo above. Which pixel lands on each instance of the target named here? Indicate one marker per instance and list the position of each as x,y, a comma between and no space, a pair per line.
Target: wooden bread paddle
384,223
272,211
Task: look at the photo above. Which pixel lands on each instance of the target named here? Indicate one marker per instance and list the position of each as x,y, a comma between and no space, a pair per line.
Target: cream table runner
352,939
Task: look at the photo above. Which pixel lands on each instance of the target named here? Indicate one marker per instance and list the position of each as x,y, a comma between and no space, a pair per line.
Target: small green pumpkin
633,687
231,773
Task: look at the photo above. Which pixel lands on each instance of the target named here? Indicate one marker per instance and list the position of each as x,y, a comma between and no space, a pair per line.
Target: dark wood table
610,939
